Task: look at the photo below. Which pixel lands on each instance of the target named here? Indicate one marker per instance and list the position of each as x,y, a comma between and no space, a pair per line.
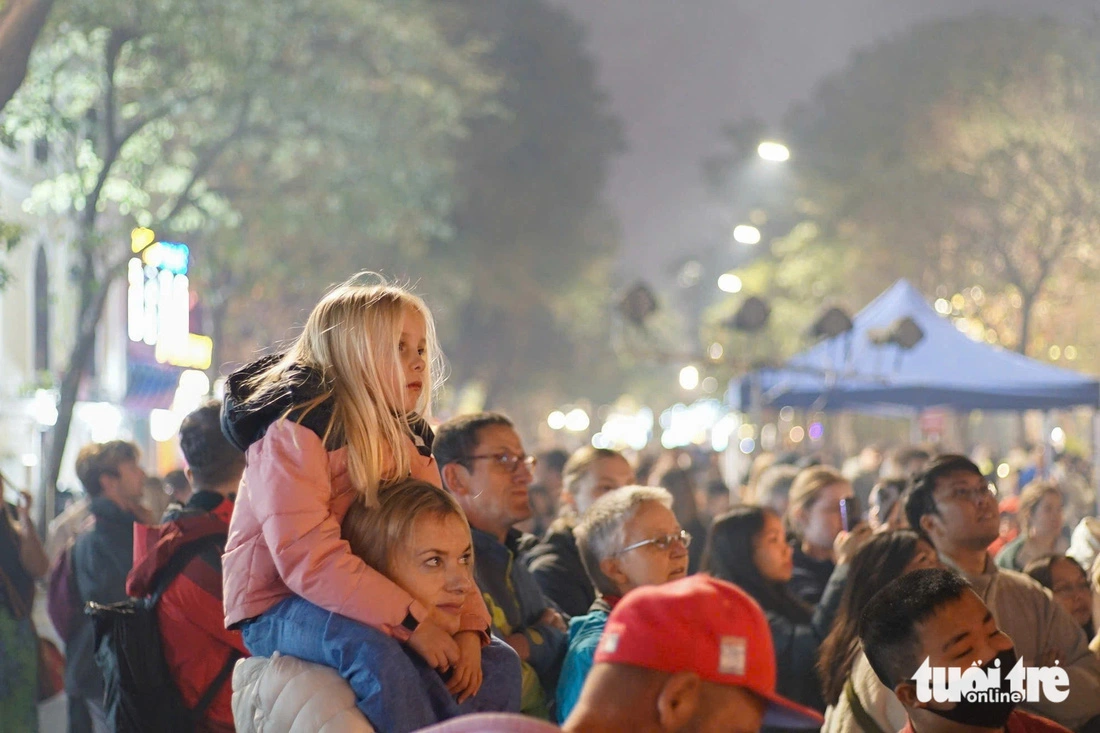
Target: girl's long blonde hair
351,339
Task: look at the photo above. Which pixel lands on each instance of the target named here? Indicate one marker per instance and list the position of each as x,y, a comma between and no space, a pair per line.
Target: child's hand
467,677
435,645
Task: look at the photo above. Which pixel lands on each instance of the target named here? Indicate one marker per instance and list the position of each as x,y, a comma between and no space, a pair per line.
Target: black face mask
986,714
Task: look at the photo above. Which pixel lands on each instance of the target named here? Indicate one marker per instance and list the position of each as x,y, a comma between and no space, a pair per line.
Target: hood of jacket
245,423
154,546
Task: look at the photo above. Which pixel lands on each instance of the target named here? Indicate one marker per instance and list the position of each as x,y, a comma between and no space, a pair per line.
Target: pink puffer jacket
284,538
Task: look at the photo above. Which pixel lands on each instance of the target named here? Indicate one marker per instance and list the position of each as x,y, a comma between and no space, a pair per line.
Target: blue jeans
394,688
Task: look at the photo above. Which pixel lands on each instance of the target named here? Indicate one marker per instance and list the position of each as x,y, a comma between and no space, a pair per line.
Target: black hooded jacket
244,423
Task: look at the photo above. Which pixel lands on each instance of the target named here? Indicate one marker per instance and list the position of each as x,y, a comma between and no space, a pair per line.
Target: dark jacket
810,576
192,621
102,557
797,642
556,564
516,602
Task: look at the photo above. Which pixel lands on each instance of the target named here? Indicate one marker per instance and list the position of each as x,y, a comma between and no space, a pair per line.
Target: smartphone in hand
847,520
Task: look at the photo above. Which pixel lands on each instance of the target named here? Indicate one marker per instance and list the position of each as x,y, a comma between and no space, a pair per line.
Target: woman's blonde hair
351,339
1030,498
376,533
806,490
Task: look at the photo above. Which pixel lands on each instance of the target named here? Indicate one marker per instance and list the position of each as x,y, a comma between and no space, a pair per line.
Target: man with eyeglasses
952,505
627,539
483,463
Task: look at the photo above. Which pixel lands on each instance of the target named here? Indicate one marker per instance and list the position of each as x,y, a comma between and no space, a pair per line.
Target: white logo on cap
610,643
732,657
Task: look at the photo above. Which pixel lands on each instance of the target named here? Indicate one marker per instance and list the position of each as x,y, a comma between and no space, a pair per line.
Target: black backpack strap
214,687
176,564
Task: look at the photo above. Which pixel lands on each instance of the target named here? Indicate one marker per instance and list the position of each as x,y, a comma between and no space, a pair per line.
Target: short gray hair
600,532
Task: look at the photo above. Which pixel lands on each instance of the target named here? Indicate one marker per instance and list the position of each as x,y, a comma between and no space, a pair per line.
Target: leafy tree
165,115
964,156
533,238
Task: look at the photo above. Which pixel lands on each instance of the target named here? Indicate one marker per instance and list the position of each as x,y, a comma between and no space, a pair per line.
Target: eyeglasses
507,461
974,494
661,543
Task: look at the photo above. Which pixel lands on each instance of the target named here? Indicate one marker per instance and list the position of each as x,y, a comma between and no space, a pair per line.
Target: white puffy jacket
286,695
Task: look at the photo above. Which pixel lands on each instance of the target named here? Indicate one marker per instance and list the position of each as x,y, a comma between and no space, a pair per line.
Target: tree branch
209,157
21,22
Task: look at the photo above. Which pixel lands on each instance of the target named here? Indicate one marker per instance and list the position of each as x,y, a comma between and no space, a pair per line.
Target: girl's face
1048,517
412,352
1070,587
435,564
771,553
924,557
821,522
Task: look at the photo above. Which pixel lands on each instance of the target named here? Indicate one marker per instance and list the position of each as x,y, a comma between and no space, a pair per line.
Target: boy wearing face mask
933,614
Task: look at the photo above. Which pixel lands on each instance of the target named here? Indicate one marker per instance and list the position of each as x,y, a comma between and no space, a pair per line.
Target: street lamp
746,234
773,152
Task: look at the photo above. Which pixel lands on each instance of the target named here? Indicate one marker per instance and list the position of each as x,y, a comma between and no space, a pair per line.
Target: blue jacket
584,636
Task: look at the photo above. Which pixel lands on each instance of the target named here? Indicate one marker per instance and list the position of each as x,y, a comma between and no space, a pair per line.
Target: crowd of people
328,560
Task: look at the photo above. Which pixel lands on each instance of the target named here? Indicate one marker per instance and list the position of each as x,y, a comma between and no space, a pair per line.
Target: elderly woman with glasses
628,538
748,547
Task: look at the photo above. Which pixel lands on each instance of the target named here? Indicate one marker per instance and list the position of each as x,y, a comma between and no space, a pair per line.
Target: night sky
677,70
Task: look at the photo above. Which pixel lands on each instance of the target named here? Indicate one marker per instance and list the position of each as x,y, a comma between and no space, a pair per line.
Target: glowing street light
689,377
729,283
746,234
773,152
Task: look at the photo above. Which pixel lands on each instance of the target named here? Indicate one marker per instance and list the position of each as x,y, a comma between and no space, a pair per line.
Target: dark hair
910,454
728,555
213,460
1042,570
96,460
888,625
554,459
877,563
775,483
177,479
457,438
887,493
680,482
920,501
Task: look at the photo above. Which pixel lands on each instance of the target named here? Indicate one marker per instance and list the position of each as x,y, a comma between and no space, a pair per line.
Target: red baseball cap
707,626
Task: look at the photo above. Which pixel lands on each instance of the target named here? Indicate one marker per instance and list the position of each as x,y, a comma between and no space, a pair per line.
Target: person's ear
456,478
678,700
928,522
190,476
611,567
907,695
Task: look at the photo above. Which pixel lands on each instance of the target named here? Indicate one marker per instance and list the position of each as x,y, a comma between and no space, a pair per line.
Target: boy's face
435,564
960,633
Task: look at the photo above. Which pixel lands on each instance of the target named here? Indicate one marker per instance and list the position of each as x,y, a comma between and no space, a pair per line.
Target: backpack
62,595
140,693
